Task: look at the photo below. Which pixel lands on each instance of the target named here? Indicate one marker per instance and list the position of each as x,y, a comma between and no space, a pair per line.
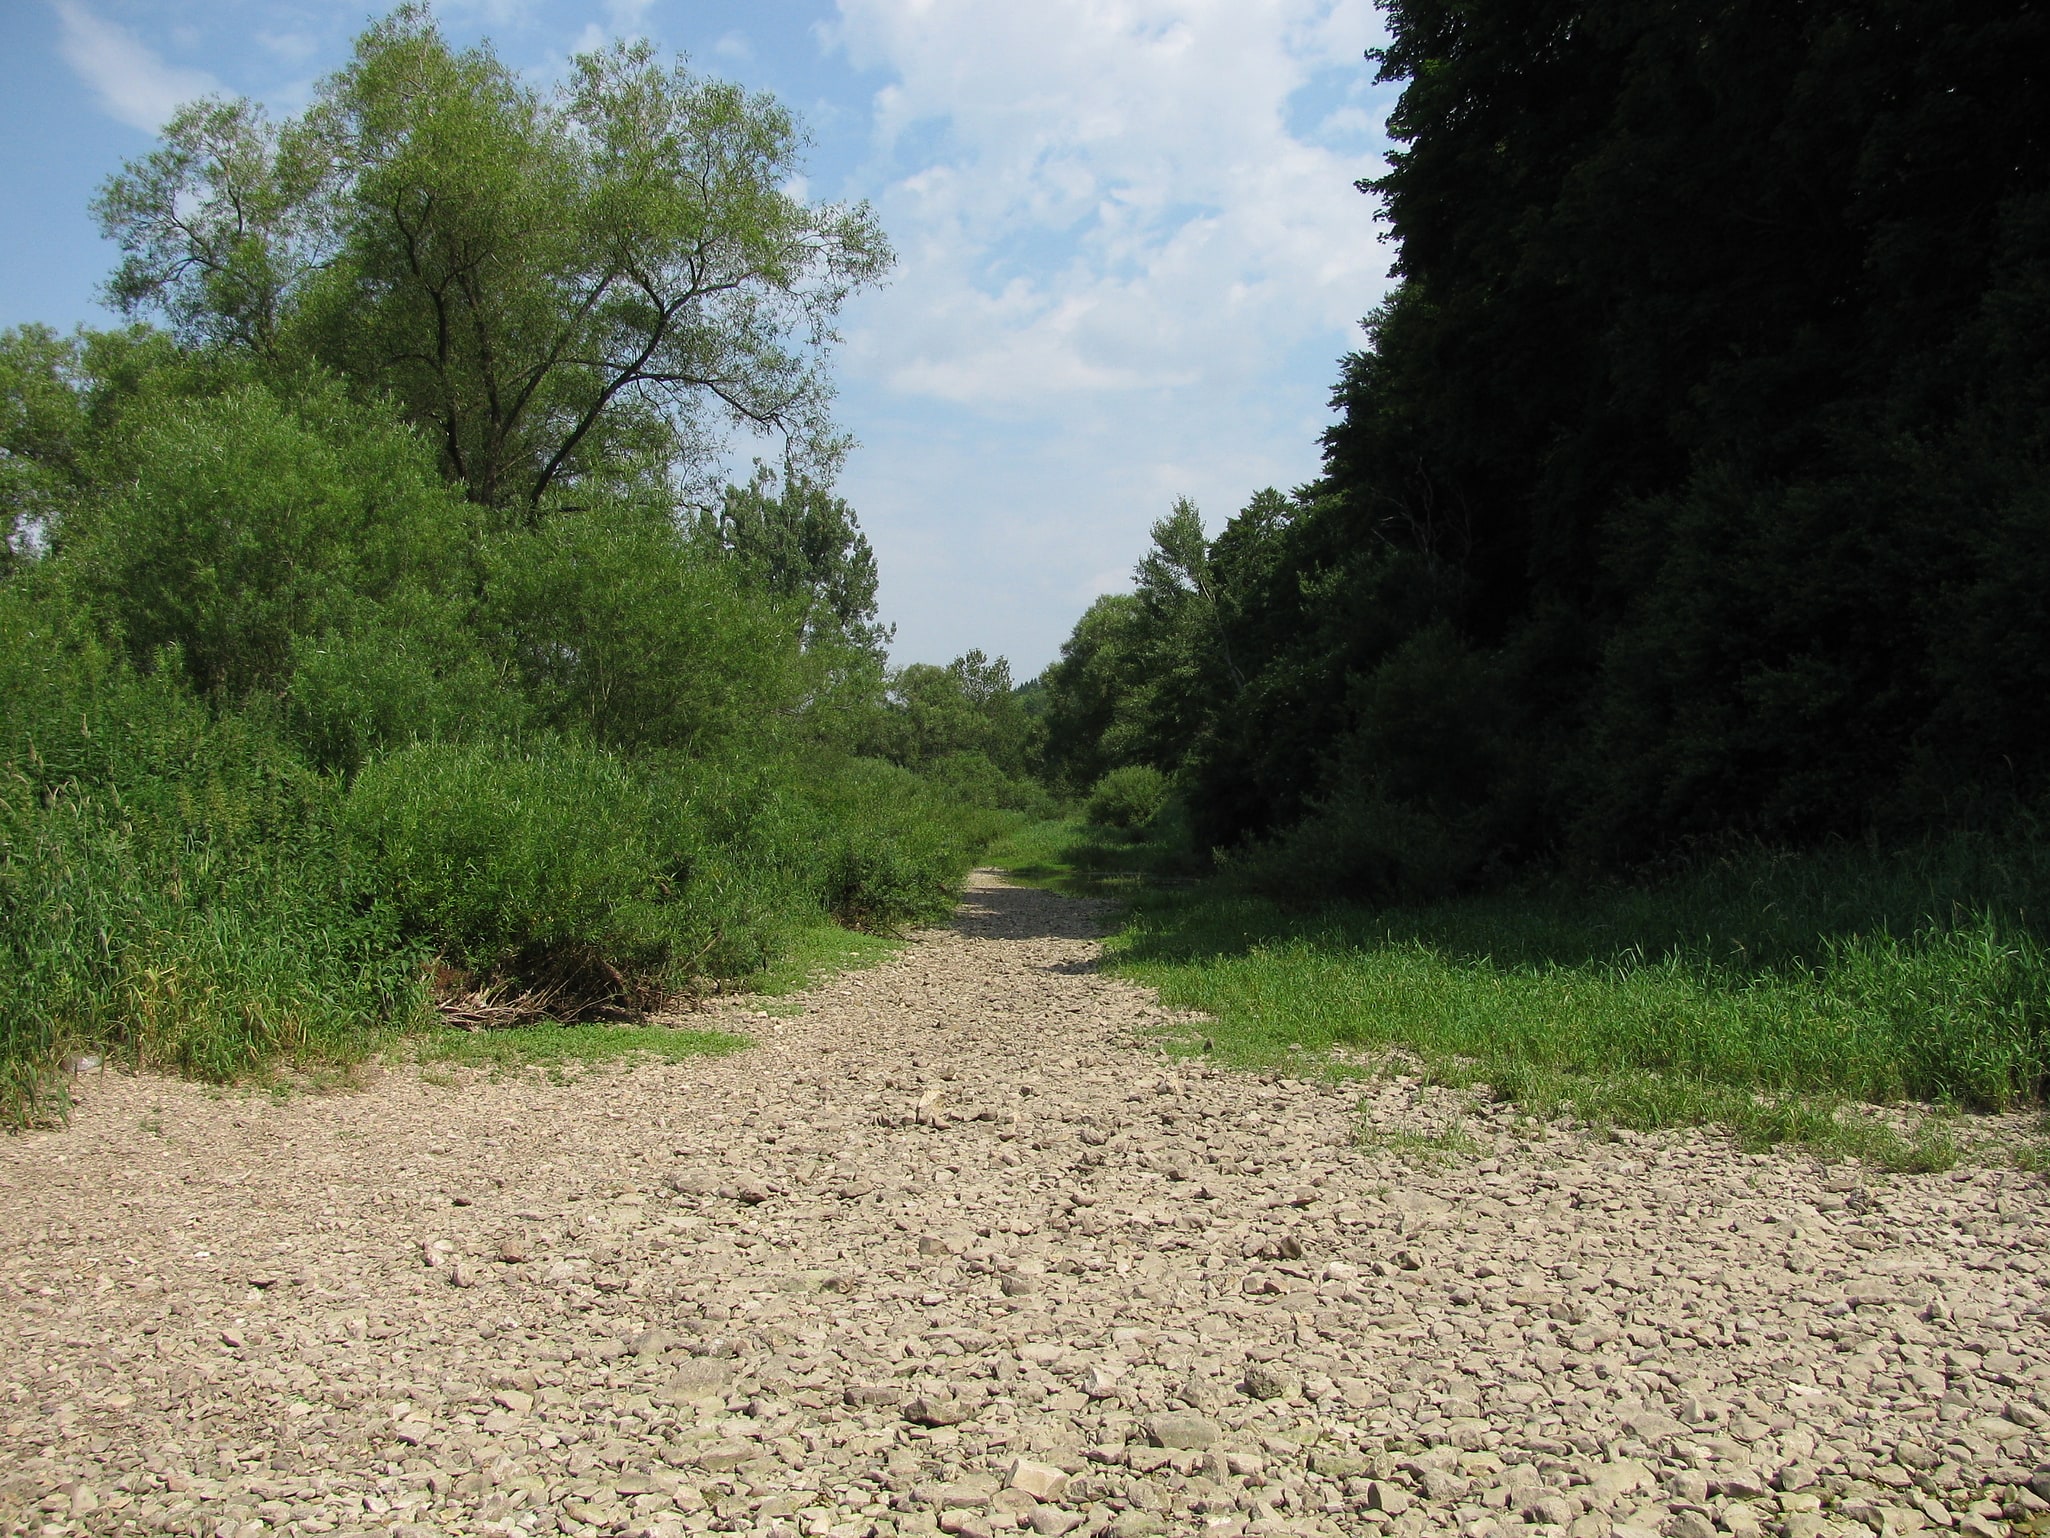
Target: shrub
246,522
546,864
169,885
1127,798
894,849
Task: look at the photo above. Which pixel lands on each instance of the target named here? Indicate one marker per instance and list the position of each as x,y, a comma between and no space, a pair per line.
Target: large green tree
594,282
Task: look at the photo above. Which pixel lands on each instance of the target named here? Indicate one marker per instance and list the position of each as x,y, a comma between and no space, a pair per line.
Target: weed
1784,1000
813,954
557,1046
1444,1145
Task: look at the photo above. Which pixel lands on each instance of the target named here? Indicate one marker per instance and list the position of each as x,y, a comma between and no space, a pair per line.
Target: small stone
1652,1426
1336,1463
513,1252
966,1524
1741,1485
1391,1498
1611,1481
1136,1524
233,1339
1555,1509
1051,1521
698,1379
864,1395
1100,1382
1016,1284
1184,1430
1041,1481
933,1411
1270,1380
1689,1486
515,1400
84,1502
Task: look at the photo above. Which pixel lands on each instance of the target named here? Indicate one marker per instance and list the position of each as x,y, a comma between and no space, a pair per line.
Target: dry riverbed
957,1248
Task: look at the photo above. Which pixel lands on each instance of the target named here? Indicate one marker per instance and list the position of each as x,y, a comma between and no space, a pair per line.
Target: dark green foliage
169,881
794,539
616,624
41,422
963,721
1087,694
242,524
1694,481
1127,798
892,847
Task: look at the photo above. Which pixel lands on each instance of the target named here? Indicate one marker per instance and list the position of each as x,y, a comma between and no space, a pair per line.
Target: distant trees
1690,482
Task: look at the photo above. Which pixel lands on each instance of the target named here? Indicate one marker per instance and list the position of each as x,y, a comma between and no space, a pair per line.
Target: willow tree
597,280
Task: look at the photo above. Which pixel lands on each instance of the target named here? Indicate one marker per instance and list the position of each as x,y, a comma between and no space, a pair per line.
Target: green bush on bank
1127,798
373,623
249,811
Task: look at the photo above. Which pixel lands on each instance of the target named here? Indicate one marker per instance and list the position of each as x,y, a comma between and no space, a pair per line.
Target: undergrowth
1824,1000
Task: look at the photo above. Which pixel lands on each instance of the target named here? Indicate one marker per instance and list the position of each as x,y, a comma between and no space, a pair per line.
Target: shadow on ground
992,912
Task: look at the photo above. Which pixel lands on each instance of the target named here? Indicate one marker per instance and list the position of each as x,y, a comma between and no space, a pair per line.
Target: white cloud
133,84
735,46
1149,138
628,18
291,47
1126,271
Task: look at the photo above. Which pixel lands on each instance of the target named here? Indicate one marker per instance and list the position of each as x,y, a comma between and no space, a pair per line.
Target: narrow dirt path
958,1247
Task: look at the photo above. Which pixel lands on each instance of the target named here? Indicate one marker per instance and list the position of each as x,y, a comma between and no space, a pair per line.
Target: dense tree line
373,618
1692,481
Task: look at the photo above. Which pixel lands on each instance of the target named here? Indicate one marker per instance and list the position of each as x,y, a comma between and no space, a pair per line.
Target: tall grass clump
169,883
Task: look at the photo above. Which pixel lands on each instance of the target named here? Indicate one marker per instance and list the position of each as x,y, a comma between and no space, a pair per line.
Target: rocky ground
959,1248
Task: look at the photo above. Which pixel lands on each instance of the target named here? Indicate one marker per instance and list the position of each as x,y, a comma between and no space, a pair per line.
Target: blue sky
1130,254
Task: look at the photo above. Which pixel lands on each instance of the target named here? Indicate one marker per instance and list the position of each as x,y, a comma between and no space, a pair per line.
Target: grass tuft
556,1046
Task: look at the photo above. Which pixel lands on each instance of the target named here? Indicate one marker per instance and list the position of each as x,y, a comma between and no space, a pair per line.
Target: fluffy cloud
1131,256
132,83
1110,195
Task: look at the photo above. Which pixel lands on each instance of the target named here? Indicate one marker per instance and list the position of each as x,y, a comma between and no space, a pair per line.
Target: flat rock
1184,1430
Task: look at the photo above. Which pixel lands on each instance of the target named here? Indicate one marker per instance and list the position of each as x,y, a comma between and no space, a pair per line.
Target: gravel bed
958,1248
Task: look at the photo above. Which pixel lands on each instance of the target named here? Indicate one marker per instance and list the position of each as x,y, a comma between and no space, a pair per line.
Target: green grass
1066,854
1421,1147
813,955
817,953
1780,998
557,1046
